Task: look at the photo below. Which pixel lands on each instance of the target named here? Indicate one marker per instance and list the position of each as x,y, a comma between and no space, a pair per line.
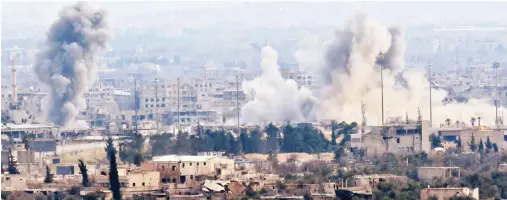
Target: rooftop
179,158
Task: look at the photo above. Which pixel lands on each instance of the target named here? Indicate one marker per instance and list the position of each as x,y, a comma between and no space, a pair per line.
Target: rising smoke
351,75
66,62
349,69
274,99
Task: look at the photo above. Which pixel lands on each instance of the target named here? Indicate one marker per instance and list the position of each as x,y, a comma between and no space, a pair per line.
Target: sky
19,15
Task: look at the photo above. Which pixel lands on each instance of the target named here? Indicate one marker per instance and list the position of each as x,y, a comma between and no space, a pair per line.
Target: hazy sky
22,15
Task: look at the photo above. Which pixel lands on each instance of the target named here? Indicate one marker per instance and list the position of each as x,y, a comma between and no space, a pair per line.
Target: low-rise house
197,167
446,193
374,179
133,181
430,174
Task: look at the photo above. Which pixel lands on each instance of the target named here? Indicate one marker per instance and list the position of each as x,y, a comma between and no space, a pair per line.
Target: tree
489,145
334,126
49,176
479,121
339,152
114,180
407,121
481,146
448,121
138,159
109,147
419,115
273,138
459,142
472,121
12,165
495,148
84,173
472,144
435,141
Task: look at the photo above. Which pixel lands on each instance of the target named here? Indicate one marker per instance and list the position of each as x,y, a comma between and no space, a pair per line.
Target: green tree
489,145
12,165
481,146
84,173
49,176
472,144
419,115
495,148
339,153
334,126
435,141
273,137
138,159
458,142
472,121
114,180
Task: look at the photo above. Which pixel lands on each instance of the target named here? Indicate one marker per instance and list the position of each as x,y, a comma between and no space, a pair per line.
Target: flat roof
184,158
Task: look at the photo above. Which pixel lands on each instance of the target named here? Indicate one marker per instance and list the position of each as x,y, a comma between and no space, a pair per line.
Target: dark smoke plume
66,62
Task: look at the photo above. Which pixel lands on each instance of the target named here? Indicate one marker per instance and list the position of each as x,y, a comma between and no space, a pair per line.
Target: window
190,164
145,100
204,163
143,184
174,168
133,184
183,165
192,177
152,100
197,163
398,140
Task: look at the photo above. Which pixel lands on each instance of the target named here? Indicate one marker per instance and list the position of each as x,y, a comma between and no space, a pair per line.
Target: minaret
14,87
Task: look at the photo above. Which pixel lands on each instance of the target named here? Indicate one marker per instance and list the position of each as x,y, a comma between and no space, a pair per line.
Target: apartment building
397,138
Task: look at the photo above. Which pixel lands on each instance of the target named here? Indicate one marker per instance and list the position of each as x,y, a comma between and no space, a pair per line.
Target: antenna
178,124
430,82
496,65
136,102
363,112
237,101
14,85
157,102
382,85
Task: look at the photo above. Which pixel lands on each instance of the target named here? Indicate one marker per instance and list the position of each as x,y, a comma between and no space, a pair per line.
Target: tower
14,86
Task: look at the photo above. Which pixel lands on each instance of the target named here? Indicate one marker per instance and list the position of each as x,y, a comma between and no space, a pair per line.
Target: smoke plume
352,74
66,62
274,99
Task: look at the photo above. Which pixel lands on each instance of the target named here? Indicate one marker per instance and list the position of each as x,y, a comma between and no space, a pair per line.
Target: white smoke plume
66,62
274,99
351,75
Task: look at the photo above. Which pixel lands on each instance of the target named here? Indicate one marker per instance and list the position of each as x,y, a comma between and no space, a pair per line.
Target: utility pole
496,66
136,100
178,124
237,101
430,82
363,112
156,97
382,86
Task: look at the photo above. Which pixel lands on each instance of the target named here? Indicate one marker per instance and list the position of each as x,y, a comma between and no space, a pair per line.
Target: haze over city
283,100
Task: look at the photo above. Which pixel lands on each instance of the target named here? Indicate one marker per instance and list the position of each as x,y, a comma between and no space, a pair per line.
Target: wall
446,193
430,173
143,179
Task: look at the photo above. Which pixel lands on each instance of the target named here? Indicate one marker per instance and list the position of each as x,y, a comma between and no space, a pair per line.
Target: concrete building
446,193
450,135
197,167
430,174
396,138
132,181
374,179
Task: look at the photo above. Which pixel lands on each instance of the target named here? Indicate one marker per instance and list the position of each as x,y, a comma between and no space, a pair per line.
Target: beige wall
144,179
14,181
466,135
430,173
446,193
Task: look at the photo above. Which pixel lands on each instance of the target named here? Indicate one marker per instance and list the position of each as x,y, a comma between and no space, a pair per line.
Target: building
398,139
196,167
446,193
374,179
132,181
430,174
450,135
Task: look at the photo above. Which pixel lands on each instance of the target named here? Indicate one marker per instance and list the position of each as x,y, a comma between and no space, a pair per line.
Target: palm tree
448,121
457,124
479,121
472,121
